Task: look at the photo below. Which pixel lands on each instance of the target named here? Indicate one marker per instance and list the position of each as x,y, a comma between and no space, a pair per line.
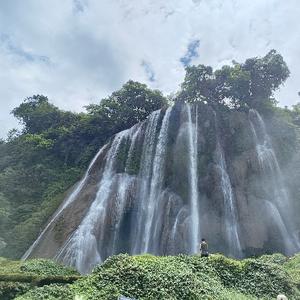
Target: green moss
122,156
59,229
236,133
284,138
133,166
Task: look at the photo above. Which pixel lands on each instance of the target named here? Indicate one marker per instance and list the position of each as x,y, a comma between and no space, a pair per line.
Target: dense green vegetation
242,86
38,164
18,277
149,277
42,161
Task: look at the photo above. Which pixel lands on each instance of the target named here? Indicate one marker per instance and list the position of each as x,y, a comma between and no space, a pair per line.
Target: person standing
204,248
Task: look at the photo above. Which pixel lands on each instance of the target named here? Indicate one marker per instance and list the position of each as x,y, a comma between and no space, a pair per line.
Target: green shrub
148,277
49,292
18,277
46,267
265,279
186,277
292,267
276,258
10,290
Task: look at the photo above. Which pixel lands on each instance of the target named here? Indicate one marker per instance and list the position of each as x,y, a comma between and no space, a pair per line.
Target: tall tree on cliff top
243,85
129,105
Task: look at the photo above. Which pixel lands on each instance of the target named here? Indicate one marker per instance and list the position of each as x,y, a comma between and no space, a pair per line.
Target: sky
77,52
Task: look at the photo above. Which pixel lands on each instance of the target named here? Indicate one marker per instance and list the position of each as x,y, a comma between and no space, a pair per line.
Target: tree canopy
243,85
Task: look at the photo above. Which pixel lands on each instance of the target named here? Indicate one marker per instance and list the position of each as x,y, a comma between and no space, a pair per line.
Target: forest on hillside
43,160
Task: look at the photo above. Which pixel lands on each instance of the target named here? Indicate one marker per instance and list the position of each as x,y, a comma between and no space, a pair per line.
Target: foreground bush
46,267
184,277
19,277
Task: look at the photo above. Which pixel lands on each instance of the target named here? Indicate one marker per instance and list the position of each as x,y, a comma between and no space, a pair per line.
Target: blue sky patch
78,6
16,50
148,70
191,53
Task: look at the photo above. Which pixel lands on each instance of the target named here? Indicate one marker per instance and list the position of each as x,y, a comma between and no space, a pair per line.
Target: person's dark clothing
204,249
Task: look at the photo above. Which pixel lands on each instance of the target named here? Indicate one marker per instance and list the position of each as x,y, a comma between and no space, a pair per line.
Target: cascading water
145,175
279,202
65,204
230,212
81,250
156,184
193,177
151,190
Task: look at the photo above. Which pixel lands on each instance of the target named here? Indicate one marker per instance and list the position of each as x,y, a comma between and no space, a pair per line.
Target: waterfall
133,144
145,175
230,210
193,178
174,231
123,189
144,192
81,250
156,182
268,162
73,196
231,223
285,234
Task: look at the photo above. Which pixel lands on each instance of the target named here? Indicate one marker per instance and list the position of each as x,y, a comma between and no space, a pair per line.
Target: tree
266,75
128,106
247,85
198,85
50,153
38,115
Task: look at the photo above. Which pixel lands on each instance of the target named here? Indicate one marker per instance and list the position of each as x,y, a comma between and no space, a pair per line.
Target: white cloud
78,51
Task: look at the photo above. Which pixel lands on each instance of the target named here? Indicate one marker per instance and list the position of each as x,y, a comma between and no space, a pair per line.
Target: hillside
148,277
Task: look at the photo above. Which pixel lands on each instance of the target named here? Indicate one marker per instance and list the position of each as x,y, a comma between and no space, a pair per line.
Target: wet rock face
2,243
185,173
